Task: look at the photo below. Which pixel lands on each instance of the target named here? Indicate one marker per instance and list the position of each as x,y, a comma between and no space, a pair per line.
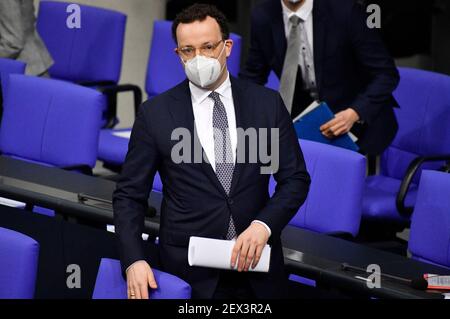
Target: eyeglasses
207,50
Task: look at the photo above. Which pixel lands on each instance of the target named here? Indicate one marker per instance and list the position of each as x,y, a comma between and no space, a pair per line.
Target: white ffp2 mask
203,71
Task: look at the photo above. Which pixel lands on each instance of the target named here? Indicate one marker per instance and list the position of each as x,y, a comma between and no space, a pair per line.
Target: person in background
324,50
19,38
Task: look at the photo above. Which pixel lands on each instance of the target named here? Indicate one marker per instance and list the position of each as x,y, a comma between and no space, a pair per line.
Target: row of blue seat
424,98
429,242
338,211
93,54
21,253
42,119
56,123
422,142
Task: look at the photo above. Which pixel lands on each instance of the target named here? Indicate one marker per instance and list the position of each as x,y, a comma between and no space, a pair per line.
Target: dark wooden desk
308,254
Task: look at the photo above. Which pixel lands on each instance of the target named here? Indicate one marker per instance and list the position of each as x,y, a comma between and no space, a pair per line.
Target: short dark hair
199,12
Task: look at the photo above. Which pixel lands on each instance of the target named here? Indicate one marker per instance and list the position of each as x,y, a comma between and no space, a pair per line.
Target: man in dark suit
219,198
324,50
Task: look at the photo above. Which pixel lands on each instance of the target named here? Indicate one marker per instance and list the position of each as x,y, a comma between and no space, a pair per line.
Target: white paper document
11,203
122,134
216,253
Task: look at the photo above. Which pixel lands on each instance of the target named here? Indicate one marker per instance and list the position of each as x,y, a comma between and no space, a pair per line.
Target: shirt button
230,201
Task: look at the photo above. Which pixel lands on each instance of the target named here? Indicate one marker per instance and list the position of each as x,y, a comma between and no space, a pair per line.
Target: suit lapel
278,34
181,109
243,121
320,37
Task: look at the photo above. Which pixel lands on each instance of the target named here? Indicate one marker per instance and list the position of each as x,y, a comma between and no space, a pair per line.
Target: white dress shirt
305,13
203,106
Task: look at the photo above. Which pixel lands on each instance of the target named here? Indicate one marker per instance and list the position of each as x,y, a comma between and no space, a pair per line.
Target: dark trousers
233,285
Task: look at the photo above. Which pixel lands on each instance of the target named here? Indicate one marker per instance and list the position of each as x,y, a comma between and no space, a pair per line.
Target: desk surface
321,257
308,253
59,190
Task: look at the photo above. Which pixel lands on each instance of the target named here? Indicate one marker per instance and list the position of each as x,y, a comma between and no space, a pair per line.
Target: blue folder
308,128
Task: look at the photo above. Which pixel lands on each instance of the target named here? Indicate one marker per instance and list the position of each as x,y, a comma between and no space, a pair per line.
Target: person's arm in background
373,56
12,35
291,191
256,69
375,60
130,204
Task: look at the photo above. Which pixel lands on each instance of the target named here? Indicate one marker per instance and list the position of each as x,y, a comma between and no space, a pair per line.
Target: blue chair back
423,118
335,197
111,285
165,70
9,66
430,227
19,256
90,53
50,121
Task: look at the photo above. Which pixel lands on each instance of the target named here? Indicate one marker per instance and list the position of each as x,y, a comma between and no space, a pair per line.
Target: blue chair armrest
406,182
110,283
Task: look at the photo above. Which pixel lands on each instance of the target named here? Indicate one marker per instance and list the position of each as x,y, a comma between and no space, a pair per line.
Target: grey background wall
141,14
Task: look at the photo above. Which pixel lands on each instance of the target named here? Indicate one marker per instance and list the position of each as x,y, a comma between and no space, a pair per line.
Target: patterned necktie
291,61
222,152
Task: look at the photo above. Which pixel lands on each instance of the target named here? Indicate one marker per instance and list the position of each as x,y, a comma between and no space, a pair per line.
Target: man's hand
341,124
139,278
249,246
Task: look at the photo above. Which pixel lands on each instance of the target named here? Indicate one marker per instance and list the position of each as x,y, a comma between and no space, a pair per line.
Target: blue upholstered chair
7,67
422,142
10,66
19,256
430,227
110,283
90,55
50,122
164,71
334,201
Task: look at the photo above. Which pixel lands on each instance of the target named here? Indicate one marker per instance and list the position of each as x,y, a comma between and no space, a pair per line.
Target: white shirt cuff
264,224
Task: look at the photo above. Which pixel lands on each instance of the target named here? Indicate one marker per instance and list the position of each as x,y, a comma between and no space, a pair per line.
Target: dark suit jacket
194,202
353,68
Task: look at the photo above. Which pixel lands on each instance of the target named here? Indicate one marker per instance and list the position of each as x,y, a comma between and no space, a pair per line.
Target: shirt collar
199,95
303,12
